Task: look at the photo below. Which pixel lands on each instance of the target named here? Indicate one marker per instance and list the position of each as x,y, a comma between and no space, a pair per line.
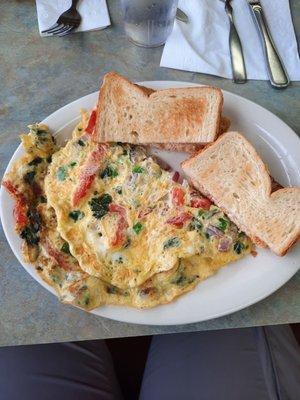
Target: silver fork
67,21
236,51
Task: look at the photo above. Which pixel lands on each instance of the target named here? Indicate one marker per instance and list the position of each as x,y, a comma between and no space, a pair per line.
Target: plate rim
166,84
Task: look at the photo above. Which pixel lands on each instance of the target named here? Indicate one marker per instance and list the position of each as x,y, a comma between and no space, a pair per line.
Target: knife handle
236,51
277,73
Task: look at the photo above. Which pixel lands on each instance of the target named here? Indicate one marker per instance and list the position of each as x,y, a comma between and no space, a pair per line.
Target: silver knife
181,16
235,47
276,70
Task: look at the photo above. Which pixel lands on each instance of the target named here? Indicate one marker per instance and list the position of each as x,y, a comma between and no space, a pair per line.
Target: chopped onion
212,230
224,244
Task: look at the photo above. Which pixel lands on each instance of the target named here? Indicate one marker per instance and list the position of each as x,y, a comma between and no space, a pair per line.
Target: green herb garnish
137,227
195,225
223,224
35,161
183,280
29,234
238,247
209,214
172,242
100,205
113,290
29,177
41,131
56,279
137,169
65,248
86,299
200,213
61,173
109,172
72,164
81,143
118,189
76,215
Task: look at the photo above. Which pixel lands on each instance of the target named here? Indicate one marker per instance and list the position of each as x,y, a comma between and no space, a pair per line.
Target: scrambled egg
134,236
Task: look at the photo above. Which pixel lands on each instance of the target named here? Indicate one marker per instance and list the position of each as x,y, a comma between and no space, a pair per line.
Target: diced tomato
201,202
57,255
122,224
12,190
84,184
178,196
20,211
144,212
180,220
117,209
20,208
88,173
92,122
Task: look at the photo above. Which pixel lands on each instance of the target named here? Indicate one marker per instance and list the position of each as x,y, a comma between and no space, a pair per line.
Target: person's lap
251,363
62,371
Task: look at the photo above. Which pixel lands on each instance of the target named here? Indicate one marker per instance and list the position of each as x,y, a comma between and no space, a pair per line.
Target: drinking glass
148,23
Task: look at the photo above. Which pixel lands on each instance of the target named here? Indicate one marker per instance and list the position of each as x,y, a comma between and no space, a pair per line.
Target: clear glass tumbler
148,23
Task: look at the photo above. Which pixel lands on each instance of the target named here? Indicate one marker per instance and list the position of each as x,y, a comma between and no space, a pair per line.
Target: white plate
234,287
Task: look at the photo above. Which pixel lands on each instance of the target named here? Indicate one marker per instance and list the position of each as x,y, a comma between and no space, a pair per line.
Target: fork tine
66,28
54,26
62,29
67,32
57,30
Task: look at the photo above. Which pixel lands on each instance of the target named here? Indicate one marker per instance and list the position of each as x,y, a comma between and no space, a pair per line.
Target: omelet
124,217
190,239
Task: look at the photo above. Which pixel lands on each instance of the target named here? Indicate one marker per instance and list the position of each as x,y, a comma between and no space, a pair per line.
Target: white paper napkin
94,14
202,45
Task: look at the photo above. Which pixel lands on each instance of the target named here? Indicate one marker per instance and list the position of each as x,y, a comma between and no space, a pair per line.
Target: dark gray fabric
284,360
63,371
237,364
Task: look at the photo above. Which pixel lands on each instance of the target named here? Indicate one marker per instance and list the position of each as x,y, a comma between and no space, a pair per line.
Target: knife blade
181,16
276,70
235,47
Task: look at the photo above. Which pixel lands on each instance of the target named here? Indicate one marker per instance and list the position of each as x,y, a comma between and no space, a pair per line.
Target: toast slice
192,148
130,113
233,176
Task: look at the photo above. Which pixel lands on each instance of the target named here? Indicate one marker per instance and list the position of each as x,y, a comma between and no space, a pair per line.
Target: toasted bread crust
190,148
131,113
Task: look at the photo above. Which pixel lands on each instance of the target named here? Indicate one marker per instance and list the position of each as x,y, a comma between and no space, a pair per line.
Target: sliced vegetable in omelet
119,214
